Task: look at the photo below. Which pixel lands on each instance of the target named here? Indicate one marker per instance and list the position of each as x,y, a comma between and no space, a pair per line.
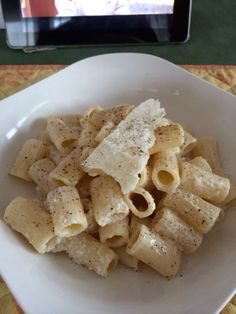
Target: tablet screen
62,8
86,22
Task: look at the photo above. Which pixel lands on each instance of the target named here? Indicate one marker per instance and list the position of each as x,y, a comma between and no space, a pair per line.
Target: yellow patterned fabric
14,78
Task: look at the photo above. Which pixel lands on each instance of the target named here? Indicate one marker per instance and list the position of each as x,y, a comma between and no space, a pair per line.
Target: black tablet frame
75,31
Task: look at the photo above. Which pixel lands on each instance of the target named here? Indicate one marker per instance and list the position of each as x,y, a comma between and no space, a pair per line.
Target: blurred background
212,41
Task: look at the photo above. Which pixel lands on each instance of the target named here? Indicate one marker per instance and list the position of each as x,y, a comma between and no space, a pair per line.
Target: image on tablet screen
62,8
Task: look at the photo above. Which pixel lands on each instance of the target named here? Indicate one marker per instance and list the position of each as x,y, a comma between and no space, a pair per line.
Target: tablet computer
60,23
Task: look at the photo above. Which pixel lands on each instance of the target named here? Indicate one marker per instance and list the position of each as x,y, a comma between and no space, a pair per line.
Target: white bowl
52,284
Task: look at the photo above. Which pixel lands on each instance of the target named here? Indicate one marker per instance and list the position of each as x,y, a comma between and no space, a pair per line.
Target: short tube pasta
204,183
115,234
207,148
159,253
31,151
168,137
126,259
67,211
33,222
68,171
231,197
62,136
108,203
39,172
140,202
54,154
165,173
105,131
169,225
198,213
85,250
189,143
201,163
145,180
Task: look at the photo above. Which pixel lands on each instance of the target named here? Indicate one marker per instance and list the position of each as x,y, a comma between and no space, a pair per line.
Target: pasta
159,253
145,179
198,213
204,183
61,135
84,249
68,171
54,154
92,227
140,202
33,222
67,211
39,173
108,202
121,185
125,258
207,148
201,162
189,143
169,225
115,234
165,174
168,137
31,151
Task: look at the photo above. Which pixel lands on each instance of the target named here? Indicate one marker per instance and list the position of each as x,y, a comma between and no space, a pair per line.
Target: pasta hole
51,244
68,143
57,182
116,241
165,177
139,201
73,229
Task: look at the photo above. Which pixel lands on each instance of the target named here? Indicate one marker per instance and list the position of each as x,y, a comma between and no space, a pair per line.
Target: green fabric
212,41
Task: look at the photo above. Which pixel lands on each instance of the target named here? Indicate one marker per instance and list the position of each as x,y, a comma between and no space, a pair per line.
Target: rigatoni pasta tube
33,222
207,148
67,211
168,137
54,154
159,253
165,173
201,163
169,225
115,234
108,203
68,171
189,143
200,214
145,180
231,197
207,185
31,151
140,202
105,131
39,172
62,136
85,250
125,258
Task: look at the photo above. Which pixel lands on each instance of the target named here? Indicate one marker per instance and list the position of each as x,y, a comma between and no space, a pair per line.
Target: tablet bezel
74,33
